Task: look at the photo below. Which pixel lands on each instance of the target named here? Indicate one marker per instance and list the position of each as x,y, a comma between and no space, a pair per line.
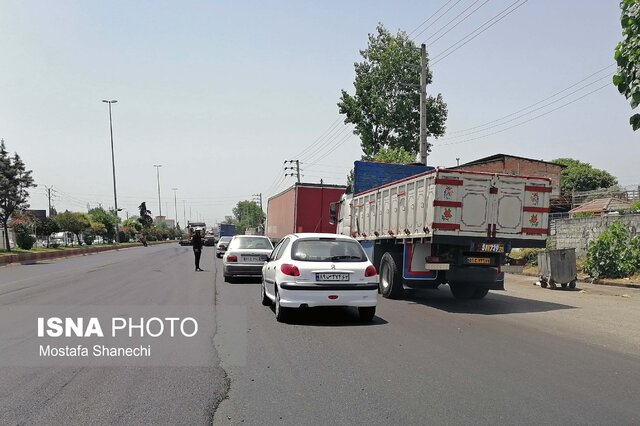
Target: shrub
25,241
528,254
615,254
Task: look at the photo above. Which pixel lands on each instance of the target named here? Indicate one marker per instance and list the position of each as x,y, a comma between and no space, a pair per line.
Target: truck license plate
491,248
332,277
479,260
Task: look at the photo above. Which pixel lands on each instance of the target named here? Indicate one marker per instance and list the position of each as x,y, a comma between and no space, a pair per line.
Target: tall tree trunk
6,235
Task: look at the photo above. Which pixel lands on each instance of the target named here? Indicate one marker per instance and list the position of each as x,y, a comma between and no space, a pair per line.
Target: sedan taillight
370,271
291,270
232,258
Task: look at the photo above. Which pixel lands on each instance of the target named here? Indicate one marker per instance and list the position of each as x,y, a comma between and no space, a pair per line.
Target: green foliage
15,181
583,215
74,222
145,215
627,56
25,241
247,215
530,255
108,221
579,176
635,207
386,106
388,154
46,227
615,254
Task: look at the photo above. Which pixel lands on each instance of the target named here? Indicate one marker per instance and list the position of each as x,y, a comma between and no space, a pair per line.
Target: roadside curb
30,258
594,281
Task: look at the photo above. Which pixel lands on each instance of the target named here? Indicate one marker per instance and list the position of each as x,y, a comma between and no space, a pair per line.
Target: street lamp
113,167
175,204
157,166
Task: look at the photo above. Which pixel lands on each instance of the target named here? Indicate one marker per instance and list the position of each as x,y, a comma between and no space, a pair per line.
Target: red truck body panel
302,208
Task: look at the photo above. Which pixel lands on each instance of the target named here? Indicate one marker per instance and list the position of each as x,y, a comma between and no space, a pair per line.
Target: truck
227,229
303,207
192,227
444,226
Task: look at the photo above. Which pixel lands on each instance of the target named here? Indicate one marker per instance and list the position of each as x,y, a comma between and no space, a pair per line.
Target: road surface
523,356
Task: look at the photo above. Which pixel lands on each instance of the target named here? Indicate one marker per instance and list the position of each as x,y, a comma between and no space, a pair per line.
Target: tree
579,176
248,215
74,222
15,181
394,155
386,106
46,227
108,221
627,57
145,215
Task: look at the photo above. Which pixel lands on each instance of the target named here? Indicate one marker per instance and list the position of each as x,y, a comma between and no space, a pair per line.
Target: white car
309,270
245,256
221,246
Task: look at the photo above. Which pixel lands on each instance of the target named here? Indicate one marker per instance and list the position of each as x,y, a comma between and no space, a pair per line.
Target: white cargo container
447,226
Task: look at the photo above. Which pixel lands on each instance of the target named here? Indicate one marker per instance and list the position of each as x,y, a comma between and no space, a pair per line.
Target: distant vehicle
221,247
304,207
245,256
209,240
307,270
192,227
227,229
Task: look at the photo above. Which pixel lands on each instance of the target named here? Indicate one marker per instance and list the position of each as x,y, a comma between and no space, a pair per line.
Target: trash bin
557,267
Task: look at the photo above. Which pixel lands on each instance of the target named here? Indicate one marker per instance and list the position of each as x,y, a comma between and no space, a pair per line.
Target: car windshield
327,250
225,240
251,243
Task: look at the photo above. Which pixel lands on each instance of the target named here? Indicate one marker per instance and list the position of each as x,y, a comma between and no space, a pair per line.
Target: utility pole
48,188
175,204
292,168
423,104
184,213
113,167
458,161
157,166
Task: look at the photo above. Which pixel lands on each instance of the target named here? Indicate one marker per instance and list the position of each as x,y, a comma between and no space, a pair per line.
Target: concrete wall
577,233
519,166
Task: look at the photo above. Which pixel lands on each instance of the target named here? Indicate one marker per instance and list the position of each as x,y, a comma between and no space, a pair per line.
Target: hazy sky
222,92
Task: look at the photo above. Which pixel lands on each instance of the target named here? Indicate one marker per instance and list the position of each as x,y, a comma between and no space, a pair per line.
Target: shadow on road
495,303
330,317
245,280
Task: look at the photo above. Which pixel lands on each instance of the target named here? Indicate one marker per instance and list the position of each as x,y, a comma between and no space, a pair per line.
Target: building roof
602,205
495,157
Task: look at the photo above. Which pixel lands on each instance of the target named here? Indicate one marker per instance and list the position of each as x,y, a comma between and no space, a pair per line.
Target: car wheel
366,313
265,299
391,276
281,312
462,291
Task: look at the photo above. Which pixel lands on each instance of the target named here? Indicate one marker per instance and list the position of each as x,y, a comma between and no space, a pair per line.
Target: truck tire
391,276
480,293
462,291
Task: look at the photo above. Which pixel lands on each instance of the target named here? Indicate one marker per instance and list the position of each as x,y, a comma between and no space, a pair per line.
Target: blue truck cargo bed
367,174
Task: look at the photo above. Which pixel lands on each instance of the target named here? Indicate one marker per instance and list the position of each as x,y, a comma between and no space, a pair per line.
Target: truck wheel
391,276
462,291
480,293
366,313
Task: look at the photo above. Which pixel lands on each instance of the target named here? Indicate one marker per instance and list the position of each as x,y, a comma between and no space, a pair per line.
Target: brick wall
577,233
519,166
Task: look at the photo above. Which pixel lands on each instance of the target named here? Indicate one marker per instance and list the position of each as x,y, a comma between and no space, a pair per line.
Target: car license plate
332,277
491,248
251,258
479,260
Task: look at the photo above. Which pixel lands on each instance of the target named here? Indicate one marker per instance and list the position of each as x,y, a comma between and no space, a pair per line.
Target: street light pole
175,204
113,168
157,166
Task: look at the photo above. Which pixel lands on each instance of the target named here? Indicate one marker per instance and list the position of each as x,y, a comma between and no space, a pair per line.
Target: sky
222,93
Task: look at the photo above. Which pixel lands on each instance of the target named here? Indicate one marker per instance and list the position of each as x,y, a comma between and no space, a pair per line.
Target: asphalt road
524,356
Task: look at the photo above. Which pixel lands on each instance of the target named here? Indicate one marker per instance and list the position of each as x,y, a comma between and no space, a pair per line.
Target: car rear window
251,243
327,250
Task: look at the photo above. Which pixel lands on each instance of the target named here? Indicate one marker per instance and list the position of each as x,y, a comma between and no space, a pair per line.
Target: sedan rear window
327,250
251,243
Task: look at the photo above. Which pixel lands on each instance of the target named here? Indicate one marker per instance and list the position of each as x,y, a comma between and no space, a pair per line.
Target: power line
485,128
439,17
479,30
529,120
457,23
535,104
